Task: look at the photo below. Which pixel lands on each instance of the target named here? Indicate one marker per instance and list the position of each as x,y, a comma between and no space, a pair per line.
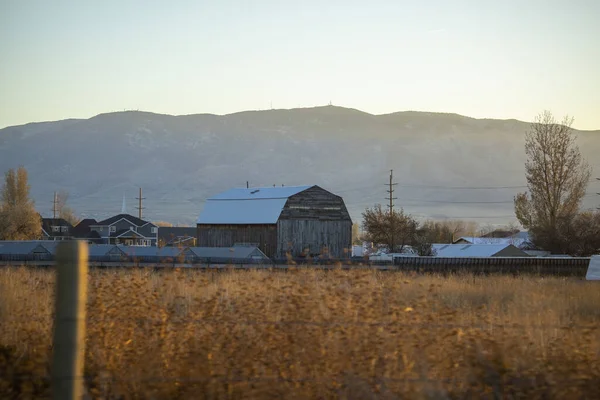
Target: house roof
82,229
126,233
48,223
237,252
472,250
134,220
248,206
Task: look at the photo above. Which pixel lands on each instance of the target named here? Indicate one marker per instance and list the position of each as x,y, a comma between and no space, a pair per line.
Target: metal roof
593,272
471,250
98,250
247,205
23,247
238,252
150,251
265,211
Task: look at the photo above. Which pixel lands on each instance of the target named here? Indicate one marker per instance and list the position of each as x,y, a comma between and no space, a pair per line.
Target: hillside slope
181,160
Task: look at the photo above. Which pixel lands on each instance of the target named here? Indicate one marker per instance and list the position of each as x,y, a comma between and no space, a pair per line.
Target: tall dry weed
186,334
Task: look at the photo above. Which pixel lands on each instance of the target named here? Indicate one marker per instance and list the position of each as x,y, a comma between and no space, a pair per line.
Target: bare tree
64,211
392,228
557,177
356,238
583,234
18,218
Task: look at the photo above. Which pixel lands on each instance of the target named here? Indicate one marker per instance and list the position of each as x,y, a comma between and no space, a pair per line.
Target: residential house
126,229
56,229
83,231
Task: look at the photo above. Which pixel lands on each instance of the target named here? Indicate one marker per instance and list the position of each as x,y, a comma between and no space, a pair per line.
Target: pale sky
480,58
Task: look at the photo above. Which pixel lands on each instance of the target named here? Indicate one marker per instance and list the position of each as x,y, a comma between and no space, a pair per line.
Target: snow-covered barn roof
248,205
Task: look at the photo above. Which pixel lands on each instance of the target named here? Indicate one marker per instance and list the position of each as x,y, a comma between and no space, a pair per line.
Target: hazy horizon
498,60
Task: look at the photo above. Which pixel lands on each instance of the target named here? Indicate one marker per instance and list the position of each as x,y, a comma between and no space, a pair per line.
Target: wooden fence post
69,322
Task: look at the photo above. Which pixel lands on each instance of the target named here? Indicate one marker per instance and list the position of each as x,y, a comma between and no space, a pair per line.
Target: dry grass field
310,334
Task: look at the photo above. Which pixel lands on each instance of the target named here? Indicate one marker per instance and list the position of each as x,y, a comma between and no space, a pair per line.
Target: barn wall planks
295,236
264,236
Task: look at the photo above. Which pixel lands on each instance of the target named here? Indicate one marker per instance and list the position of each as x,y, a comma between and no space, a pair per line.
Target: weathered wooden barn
295,220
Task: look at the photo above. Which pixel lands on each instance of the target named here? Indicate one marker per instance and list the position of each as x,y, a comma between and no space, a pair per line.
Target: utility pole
139,207
247,185
391,199
391,191
55,206
598,208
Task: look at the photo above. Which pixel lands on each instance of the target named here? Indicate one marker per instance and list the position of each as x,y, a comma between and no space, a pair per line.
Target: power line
465,187
460,202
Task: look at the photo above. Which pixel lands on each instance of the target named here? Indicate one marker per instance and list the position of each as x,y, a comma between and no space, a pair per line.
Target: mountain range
445,165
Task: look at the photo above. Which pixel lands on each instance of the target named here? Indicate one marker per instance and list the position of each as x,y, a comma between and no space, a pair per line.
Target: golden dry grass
310,334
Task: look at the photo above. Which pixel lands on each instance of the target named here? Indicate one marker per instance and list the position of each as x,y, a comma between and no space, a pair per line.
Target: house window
113,228
56,229
154,230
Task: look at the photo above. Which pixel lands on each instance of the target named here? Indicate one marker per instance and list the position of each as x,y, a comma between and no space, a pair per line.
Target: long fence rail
548,266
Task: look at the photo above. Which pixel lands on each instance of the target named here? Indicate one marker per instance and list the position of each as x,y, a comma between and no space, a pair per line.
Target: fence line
328,324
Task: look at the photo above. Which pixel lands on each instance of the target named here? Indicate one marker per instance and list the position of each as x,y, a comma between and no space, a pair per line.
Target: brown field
310,334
